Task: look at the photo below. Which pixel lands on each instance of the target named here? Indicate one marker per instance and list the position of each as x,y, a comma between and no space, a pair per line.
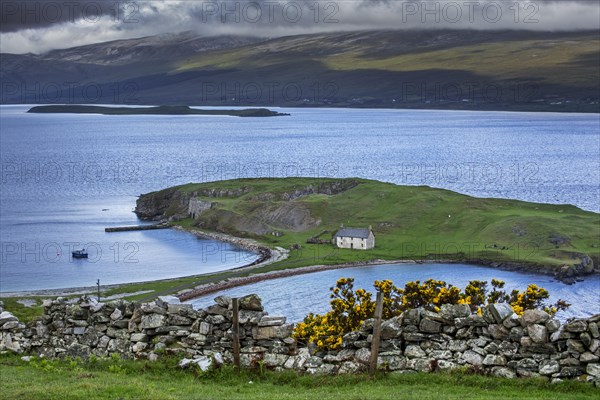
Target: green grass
409,222
119,379
545,59
23,313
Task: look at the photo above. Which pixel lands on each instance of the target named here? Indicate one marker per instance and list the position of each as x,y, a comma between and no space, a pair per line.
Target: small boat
80,253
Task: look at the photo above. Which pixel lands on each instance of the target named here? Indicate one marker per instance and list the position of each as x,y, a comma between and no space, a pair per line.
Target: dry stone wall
498,341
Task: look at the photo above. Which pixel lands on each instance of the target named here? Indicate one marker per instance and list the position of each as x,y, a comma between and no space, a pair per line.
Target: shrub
350,308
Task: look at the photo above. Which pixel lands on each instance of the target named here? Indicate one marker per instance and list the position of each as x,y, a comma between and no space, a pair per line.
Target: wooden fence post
376,334
235,328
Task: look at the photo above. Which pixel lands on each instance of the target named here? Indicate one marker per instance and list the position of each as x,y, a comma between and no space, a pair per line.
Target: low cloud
40,26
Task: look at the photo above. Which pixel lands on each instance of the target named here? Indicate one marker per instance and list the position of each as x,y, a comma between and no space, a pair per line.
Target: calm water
296,296
66,177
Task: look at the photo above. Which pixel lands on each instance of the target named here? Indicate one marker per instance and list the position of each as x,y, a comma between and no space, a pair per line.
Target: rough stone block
503,372
588,357
500,311
492,359
537,333
498,331
451,311
534,317
250,317
223,301
152,321
414,351
430,326
204,328
549,367
575,346
78,330
593,370
274,360
363,356
391,328
116,314
553,325
139,337
179,308
251,302
576,326
6,316
164,301
271,321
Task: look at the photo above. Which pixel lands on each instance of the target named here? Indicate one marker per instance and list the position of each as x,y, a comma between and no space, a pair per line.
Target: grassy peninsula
409,222
158,110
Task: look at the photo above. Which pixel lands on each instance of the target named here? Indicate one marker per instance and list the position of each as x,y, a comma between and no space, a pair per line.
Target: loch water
67,177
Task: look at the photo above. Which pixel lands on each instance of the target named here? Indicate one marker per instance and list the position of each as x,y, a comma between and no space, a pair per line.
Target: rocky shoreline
265,254
568,275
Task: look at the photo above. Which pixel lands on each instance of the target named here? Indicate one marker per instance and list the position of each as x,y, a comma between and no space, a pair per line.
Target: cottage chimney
341,226
370,227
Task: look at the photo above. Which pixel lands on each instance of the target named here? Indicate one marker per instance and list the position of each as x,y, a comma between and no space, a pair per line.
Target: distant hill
502,70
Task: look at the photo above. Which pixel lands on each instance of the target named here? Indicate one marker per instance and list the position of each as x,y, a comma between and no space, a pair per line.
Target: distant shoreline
407,107
156,110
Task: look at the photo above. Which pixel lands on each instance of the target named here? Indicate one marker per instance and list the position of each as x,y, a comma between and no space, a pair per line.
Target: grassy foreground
119,379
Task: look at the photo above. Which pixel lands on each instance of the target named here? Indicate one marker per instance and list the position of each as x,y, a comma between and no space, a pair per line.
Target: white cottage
354,238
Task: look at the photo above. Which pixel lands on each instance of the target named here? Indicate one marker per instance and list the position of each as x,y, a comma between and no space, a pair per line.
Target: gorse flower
350,308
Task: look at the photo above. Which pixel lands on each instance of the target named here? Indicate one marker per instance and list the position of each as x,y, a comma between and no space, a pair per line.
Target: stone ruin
497,342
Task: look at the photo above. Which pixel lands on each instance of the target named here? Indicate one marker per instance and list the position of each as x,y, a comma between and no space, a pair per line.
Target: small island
158,110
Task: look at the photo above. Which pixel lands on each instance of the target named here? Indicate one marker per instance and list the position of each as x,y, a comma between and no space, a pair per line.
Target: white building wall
356,243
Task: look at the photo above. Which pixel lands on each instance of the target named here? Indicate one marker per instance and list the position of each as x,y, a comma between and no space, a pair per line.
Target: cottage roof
360,233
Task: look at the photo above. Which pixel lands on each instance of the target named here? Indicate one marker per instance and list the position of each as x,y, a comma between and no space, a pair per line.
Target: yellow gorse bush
350,308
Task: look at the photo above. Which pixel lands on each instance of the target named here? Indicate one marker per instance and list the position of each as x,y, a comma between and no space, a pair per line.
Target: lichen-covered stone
534,317
392,362
500,311
503,372
593,370
271,321
414,351
223,301
492,359
498,331
537,333
6,316
164,301
251,302
391,328
588,357
418,340
152,321
429,326
363,356
451,311
552,325
576,326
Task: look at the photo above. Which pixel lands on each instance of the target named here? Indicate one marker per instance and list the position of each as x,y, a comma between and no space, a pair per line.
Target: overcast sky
40,25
